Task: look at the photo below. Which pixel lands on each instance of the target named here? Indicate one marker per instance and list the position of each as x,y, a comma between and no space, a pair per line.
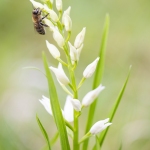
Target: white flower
49,23
68,110
58,37
90,69
67,22
66,12
79,52
59,5
53,50
73,52
53,15
67,113
60,74
46,103
76,104
36,4
80,38
99,126
92,95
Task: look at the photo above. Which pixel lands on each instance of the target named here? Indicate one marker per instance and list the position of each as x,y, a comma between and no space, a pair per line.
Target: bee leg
42,24
44,17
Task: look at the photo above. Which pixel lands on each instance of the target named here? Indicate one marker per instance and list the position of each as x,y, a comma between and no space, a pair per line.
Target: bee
37,20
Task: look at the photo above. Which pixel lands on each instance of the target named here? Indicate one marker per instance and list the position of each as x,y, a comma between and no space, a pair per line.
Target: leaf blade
114,109
57,113
44,132
97,78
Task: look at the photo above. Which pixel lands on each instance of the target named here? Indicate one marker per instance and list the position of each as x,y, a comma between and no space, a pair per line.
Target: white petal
49,23
68,110
76,104
79,52
53,15
99,126
58,37
67,23
92,95
53,50
60,75
46,103
66,12
59,5
80,38
90,69
73,52
36,4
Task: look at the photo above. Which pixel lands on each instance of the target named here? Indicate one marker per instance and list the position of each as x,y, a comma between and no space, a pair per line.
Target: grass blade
97,78
44,132
114,109
57,113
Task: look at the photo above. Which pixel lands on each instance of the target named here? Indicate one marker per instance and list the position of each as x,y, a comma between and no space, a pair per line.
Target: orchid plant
67,119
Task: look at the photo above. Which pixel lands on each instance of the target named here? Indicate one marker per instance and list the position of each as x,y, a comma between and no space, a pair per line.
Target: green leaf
97,143
97,78
44,132
35,69
57,113
114,109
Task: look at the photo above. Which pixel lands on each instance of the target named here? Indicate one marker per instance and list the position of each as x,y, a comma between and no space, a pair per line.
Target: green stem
73,81
81,82
62,62
68,37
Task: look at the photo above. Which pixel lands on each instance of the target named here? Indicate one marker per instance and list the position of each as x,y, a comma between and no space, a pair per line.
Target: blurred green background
20,89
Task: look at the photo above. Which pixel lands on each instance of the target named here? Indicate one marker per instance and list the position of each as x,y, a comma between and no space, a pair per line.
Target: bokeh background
20,89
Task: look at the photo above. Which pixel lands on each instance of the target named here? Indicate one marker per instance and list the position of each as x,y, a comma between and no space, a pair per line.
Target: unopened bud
80,38
90,69
53,50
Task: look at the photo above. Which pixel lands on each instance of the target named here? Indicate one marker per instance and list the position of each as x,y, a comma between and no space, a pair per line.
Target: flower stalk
61,30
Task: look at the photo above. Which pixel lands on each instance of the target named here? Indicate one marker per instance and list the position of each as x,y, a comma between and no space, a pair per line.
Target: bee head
36,11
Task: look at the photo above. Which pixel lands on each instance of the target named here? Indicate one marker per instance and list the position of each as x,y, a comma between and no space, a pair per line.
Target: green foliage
56,108
44,132
98,77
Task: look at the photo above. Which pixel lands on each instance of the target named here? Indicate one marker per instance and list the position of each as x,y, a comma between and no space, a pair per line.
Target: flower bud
46,103
73,52
59,5
49,23
99,126
66,12
53,15
68,110
58,38
79,52
60,74
53,50
92,95
36,4
76,104
90,69
67,22
80,38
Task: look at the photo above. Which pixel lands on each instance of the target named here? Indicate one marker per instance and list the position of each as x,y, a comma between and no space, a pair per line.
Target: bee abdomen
39,29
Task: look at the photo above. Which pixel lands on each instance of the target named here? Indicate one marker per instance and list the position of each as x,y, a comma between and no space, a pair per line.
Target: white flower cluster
74,52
